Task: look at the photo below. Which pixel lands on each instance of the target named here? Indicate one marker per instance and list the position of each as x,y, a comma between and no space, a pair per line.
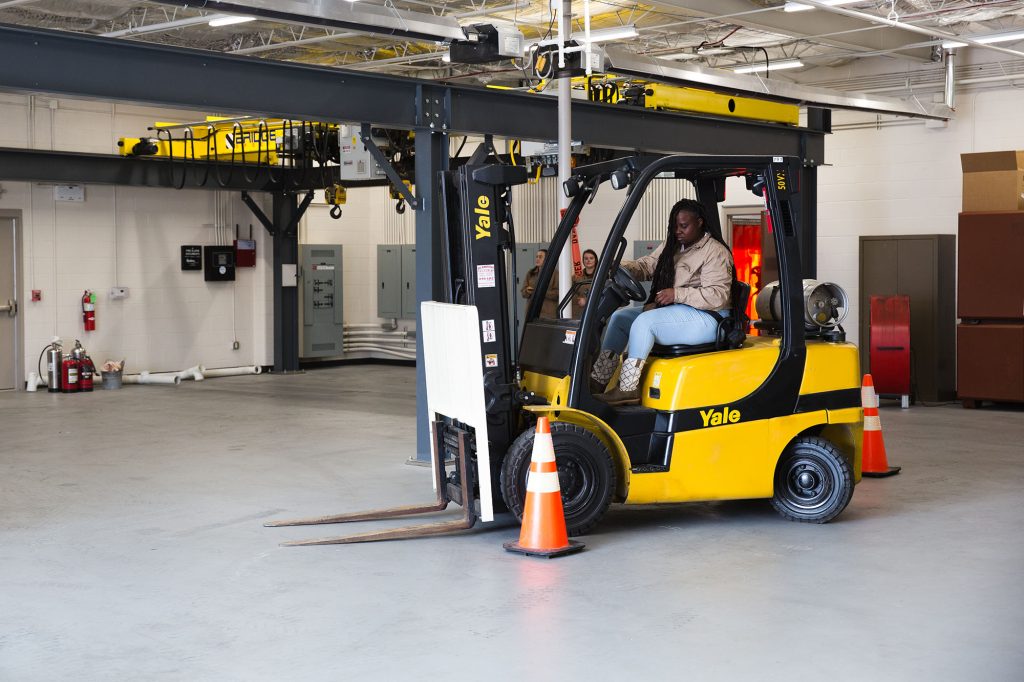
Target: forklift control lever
530,398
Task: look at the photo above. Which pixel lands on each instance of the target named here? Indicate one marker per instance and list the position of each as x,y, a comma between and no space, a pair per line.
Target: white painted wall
128,237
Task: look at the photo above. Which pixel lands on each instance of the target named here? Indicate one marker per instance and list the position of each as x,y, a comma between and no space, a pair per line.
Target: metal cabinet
922,267
408,282
323,322
389,280
396,281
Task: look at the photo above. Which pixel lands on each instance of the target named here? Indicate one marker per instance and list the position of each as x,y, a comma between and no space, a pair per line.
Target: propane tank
825,304
89,310
54,354
69,374
86,369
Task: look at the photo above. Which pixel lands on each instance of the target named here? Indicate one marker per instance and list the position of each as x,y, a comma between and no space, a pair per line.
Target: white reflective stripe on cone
543,448
542,482
872,424
868,397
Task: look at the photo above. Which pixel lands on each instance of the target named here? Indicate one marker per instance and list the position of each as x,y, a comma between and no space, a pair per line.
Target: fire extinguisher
69,374
86,369
89,310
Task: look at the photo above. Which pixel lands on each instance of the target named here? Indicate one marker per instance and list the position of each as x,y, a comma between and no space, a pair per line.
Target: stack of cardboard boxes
990,279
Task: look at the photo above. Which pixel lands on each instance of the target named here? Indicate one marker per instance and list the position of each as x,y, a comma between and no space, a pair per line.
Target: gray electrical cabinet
645,248
408,282
389,280
322,320
526,253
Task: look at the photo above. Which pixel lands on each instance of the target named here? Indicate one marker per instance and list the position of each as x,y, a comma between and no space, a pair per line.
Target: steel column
431,158
286,298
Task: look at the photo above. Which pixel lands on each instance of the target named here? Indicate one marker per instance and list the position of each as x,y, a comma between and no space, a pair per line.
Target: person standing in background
585,282
550,306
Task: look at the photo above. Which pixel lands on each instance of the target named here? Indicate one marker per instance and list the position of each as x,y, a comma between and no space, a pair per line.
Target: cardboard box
993,181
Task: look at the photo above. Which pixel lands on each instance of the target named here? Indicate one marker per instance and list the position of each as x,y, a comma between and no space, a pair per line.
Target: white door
8,305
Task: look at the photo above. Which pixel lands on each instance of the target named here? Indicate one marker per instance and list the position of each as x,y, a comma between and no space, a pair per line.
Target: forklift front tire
586,475
813,481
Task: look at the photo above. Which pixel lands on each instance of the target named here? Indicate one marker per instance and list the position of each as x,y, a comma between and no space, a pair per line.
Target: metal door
8,305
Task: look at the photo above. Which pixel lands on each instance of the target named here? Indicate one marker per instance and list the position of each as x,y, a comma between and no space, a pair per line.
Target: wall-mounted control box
219,263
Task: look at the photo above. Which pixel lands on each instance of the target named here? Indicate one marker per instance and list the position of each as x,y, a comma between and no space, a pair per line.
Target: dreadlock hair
665,270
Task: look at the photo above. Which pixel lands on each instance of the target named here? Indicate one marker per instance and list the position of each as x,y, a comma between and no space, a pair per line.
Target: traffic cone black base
892,471
545,553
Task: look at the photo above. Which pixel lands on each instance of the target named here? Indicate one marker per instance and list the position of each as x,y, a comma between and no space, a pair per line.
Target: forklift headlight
571,187
620,179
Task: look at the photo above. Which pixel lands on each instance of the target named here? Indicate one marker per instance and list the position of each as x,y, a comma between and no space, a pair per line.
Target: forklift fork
444,497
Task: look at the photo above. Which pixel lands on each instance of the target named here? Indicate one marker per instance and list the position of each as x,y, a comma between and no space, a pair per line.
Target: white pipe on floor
361,347
230,371
147,378
195,373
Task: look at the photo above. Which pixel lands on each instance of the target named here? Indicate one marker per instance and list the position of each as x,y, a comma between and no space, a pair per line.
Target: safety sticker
570,336
487,325
489,337
485,276
321,266
491,360
656,381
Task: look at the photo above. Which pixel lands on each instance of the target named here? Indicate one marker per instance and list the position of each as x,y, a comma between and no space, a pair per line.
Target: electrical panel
354,161
396,281
645,248
323,324
408,282
389,281
526,255
219,263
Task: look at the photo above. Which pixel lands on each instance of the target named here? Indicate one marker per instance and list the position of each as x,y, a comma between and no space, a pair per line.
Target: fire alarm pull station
219,263
245,250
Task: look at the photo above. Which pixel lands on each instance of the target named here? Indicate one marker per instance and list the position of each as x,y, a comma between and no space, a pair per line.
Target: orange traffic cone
543,532
873,462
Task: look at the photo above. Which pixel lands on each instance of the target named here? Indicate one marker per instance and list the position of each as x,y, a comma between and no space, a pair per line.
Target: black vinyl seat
732,329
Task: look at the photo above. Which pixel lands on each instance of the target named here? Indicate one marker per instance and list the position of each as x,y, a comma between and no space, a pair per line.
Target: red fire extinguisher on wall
89,310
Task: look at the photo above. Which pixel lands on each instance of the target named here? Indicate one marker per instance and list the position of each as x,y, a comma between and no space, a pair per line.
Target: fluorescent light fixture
603,34
228,20
775,66
715,50
677,55
800,7
446,57
986,40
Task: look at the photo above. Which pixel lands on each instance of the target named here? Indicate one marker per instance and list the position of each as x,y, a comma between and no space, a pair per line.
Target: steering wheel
627,286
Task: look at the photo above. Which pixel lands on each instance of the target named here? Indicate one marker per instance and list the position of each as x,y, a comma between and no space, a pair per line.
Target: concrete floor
131,548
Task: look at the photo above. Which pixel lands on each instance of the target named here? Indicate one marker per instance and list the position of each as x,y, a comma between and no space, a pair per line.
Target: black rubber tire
813,481
586,475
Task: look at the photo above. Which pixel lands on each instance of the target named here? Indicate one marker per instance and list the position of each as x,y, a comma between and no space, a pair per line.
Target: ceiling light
714,51
677,55
774,66
603,34
986,40
446,57
228,20
800,7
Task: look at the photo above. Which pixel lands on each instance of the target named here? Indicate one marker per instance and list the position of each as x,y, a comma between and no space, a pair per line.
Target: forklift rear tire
586,475
813,481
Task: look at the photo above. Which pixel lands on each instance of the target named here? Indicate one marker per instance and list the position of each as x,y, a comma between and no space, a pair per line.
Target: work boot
628,391
604,367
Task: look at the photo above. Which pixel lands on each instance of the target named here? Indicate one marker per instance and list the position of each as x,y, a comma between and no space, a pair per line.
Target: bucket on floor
111,380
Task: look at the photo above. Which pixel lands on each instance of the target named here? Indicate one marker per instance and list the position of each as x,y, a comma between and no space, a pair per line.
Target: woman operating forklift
691,276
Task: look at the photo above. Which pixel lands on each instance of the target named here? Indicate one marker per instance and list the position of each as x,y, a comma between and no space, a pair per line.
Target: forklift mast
478,248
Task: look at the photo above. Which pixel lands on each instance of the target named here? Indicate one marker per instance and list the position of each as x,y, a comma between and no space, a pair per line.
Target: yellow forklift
774,416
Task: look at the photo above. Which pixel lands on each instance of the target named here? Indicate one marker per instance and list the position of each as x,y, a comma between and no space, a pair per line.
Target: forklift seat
732,329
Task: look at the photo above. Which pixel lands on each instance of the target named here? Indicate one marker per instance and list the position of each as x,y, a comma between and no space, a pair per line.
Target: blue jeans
674,324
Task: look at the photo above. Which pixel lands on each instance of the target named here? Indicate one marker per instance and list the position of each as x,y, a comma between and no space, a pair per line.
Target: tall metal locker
323,324
408,282
389,280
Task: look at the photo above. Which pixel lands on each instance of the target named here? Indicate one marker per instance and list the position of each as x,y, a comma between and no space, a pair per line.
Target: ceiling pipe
158,28
949,58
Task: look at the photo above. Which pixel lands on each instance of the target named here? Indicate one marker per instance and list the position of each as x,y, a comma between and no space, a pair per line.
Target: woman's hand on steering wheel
628,285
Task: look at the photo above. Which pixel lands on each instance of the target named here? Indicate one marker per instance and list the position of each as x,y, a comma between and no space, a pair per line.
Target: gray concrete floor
131,548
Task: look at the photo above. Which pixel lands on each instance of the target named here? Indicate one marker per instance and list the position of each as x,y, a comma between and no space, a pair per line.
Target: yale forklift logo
483,217
714,417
